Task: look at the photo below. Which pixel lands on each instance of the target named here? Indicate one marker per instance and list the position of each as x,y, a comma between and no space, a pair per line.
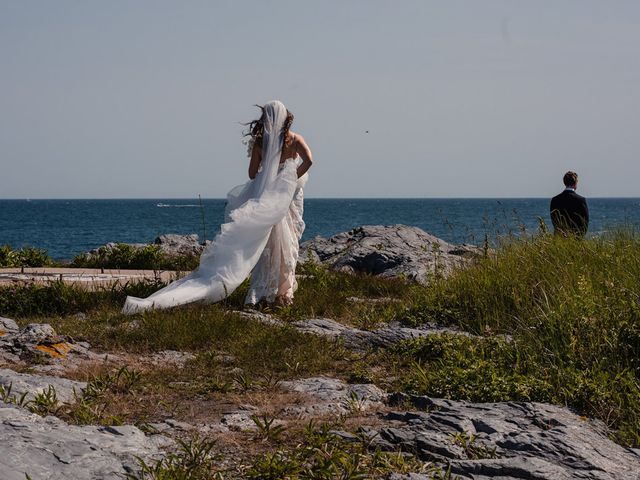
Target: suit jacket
569,213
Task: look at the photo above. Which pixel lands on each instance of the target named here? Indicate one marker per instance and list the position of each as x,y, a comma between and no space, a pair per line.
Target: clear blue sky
460,98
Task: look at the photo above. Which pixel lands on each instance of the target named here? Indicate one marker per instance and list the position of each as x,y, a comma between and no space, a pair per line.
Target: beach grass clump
132,257
24,257
571,309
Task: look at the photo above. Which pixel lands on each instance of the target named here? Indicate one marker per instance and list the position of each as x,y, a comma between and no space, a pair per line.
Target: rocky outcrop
383,337
39,340
15,385
333,396
170,244
47,447
389,251
509,441
355,338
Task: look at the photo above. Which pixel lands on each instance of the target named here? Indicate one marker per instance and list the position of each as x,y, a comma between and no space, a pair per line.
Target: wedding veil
252,210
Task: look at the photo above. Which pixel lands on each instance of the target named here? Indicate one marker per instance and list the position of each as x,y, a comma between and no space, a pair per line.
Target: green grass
59,298
556,319
572,308
125,256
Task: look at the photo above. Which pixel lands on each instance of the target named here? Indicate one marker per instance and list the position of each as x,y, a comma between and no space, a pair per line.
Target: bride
263,225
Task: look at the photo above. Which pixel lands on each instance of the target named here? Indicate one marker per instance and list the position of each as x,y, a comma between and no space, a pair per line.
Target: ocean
68,227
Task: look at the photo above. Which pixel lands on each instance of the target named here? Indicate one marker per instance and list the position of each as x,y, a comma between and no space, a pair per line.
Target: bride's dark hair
256,127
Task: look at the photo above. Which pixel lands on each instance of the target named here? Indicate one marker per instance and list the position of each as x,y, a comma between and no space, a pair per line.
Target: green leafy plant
44,403
267,427
473,449
192,461
25,257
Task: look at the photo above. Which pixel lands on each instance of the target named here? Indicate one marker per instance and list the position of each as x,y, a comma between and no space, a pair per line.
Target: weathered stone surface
173,245
352,337
532,441
48,447
7,325
389,251
33,384
170,244
239,420
383,337
40,339
171,358
35,333
333,396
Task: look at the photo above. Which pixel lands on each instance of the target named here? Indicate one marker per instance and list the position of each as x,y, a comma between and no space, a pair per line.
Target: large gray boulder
389,251
170,244
506,441
47,447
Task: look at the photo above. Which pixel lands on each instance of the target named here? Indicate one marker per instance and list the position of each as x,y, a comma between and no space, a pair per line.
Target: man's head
570,179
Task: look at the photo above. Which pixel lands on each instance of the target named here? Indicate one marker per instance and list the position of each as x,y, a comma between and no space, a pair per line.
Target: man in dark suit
569,211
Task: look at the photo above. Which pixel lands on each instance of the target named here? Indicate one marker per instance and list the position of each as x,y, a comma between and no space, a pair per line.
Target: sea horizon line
307,198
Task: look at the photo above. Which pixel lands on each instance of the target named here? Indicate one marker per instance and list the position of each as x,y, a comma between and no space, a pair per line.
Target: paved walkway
84,276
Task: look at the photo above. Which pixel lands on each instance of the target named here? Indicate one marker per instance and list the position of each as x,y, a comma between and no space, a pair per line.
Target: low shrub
25,257
125,256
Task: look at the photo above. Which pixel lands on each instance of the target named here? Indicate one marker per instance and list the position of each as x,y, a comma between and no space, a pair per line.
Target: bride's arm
305,153
256,158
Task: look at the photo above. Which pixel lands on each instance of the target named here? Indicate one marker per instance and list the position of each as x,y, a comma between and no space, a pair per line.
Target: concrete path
82,276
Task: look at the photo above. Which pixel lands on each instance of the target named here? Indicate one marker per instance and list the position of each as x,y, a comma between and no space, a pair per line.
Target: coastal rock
510,441
7,325
170,358
170,244
44,446
383,337
389,251
25,383
40,339
333,396
355,338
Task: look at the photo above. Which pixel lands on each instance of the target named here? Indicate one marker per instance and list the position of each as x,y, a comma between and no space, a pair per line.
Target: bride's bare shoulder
297,139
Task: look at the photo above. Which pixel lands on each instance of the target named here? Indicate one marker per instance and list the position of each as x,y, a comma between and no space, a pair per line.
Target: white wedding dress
262,230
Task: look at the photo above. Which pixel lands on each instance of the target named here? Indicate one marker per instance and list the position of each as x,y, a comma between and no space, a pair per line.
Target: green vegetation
572,311
548,319
322,454
192,461
25,257
125,256
59,298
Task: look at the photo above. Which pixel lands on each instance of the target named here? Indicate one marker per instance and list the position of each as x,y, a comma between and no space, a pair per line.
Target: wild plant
472,449
44,403
267,427
10,398
244,382
192,461
214,385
